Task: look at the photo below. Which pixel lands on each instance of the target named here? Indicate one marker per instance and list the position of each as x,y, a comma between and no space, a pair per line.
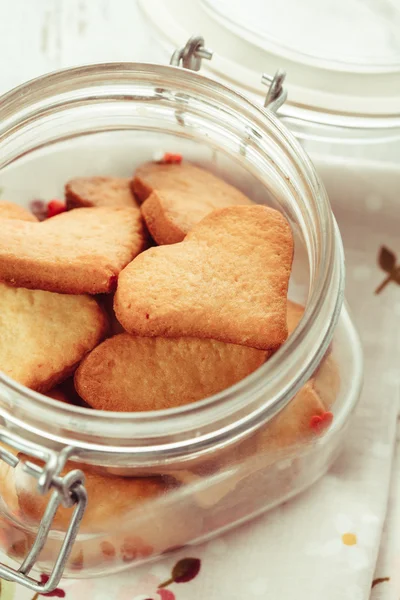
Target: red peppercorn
55,207
172,159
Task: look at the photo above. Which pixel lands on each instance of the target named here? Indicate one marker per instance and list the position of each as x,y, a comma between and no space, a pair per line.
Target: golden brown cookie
292,426
279,439
43,336
9,210
127,373
110,498
132,518
326,379
227,281
7,489
99,191
176,197
303,420
77,252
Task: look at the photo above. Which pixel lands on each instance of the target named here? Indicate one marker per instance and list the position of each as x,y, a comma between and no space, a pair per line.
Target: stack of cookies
181,274
151,293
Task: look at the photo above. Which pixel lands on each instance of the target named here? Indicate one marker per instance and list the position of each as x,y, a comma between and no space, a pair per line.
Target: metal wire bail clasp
191,54
277,94
68,490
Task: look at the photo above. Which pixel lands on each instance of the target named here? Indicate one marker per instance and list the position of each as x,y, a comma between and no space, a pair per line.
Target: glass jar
156,481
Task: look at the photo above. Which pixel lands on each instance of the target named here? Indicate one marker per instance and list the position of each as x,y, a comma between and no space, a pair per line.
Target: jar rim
20,106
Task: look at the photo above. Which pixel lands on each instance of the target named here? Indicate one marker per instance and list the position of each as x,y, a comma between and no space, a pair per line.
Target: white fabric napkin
386,584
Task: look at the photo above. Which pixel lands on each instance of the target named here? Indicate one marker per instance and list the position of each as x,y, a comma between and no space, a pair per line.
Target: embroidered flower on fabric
149,587
350,543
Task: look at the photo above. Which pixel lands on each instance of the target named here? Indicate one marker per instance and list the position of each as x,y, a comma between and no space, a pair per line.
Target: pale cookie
9,210
77,252
43,336
99,191
295,313
292,426
176,197
110,498
7,491
132,518
279,439
227,281
326,379
127,373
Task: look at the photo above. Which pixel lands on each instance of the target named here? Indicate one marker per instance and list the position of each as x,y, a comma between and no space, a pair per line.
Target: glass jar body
157,482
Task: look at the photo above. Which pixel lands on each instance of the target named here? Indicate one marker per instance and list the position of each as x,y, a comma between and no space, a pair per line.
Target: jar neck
124,97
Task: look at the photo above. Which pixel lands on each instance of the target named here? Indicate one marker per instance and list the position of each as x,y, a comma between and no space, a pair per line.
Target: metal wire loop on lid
191,54
277,94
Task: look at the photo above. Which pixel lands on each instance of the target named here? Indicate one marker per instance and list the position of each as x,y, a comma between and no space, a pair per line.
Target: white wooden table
38,36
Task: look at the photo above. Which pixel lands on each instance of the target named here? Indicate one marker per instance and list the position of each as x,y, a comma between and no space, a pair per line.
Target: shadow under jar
156,481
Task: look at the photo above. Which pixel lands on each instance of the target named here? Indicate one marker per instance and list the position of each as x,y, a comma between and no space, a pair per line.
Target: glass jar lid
341,57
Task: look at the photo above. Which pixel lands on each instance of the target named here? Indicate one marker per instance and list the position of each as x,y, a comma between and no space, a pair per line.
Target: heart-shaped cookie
129,373
275,445
9,210
133,517
326,379
292,426
43,336
227,281
77,252
176,197
99,191
113,497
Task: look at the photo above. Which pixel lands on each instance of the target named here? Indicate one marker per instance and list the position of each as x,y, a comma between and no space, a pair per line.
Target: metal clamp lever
191,54
69,491
277,94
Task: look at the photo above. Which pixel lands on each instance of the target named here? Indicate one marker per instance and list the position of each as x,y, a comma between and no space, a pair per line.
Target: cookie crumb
168,158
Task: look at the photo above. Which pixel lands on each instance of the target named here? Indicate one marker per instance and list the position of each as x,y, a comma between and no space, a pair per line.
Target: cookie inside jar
188,281
182,268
